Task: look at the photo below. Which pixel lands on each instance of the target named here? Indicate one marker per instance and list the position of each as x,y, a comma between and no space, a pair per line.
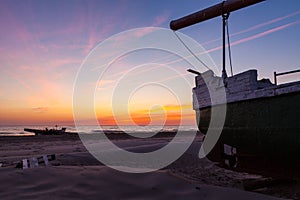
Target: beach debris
32,162
230,156
36,161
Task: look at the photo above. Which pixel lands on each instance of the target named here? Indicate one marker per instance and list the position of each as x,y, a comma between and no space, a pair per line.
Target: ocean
19,130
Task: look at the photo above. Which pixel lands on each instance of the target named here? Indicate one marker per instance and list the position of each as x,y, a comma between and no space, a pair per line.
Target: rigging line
191,51
229,48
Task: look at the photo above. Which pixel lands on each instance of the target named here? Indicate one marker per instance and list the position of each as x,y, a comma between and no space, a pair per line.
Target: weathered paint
262,119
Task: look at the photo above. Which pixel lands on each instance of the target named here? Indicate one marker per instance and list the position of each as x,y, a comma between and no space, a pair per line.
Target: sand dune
98,182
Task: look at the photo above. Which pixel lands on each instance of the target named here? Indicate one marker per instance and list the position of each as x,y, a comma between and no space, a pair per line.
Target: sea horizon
18,130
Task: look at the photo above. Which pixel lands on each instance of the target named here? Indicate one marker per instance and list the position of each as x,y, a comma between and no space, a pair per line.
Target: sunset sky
44,43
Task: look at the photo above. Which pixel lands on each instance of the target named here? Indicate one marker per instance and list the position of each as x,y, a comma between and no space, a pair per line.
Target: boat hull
264,133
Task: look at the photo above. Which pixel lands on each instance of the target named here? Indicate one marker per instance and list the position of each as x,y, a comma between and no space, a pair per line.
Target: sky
44,44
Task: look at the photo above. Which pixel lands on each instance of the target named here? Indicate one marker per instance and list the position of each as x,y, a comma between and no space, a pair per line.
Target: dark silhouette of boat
46,131
261,132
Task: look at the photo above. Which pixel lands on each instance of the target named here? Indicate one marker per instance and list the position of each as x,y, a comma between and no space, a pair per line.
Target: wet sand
75,174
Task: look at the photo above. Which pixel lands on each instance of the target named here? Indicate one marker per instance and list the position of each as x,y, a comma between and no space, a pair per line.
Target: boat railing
283,73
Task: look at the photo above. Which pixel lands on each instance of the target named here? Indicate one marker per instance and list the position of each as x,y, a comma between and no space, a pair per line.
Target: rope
191,51
229,49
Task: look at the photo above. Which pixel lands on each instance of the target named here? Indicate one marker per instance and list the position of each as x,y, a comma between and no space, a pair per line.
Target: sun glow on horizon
157,115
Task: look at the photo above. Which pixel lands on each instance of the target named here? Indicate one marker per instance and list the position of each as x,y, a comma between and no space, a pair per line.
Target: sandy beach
75,174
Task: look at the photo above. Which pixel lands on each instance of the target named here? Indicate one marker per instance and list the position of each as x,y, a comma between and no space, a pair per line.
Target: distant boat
261,132
46,131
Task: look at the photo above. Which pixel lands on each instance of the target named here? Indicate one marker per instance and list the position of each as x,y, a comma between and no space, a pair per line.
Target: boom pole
222,9
211,12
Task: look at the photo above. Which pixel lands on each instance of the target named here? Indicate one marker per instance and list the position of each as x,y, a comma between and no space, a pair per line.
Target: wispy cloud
253,37
257,26
104,84
159,20
256,36
40,109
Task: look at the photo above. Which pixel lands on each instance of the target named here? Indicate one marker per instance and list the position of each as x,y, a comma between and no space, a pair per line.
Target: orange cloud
160,115
166,115
40,109
37,116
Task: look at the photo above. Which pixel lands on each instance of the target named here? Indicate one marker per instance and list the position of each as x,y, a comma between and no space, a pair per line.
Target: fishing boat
261,130
46,131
